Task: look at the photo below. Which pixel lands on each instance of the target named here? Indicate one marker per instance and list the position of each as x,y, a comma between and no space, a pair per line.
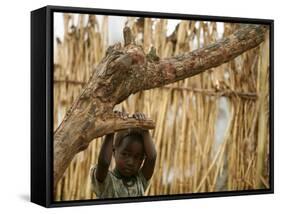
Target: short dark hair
121,135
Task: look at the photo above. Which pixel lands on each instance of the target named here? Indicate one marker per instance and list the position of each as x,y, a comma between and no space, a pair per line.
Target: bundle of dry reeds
212,130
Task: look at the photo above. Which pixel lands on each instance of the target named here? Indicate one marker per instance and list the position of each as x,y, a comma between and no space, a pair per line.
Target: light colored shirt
113,187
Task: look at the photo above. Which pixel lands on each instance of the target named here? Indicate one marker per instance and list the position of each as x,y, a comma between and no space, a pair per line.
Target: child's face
129,156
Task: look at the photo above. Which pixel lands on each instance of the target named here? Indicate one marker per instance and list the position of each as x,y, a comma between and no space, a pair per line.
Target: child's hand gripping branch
130,149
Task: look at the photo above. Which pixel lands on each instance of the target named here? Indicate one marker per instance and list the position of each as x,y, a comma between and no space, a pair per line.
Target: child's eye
125,154
138,157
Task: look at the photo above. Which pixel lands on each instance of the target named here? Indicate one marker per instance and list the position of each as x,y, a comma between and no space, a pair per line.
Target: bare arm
150,159
105,156
150,151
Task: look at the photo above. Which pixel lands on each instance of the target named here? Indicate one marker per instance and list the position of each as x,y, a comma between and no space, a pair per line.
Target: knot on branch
128,36
116,48
152,56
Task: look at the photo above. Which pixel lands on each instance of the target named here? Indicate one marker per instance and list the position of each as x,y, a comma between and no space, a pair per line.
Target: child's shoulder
142,179
105,187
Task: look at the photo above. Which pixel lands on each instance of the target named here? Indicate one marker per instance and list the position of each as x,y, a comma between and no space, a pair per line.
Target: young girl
130,177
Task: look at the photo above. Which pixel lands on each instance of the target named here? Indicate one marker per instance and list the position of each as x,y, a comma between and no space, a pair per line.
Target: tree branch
176,68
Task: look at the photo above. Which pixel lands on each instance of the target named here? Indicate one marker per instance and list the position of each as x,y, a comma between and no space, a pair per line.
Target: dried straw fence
212,130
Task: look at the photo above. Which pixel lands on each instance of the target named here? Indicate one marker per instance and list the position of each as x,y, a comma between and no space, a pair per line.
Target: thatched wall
212,130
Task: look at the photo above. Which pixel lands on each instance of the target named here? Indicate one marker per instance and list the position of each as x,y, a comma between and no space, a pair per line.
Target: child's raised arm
106,150
105,156
149,148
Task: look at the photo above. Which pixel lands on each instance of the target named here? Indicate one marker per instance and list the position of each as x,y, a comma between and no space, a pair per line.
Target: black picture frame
42,104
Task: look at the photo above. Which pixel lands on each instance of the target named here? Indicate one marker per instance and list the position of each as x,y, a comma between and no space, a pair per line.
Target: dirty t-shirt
113,187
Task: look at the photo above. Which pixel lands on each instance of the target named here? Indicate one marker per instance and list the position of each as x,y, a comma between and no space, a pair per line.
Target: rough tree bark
127,70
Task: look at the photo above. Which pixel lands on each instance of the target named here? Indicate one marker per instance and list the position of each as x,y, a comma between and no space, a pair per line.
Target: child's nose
130,162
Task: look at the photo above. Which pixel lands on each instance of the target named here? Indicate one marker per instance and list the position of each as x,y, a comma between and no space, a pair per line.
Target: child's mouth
128,170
